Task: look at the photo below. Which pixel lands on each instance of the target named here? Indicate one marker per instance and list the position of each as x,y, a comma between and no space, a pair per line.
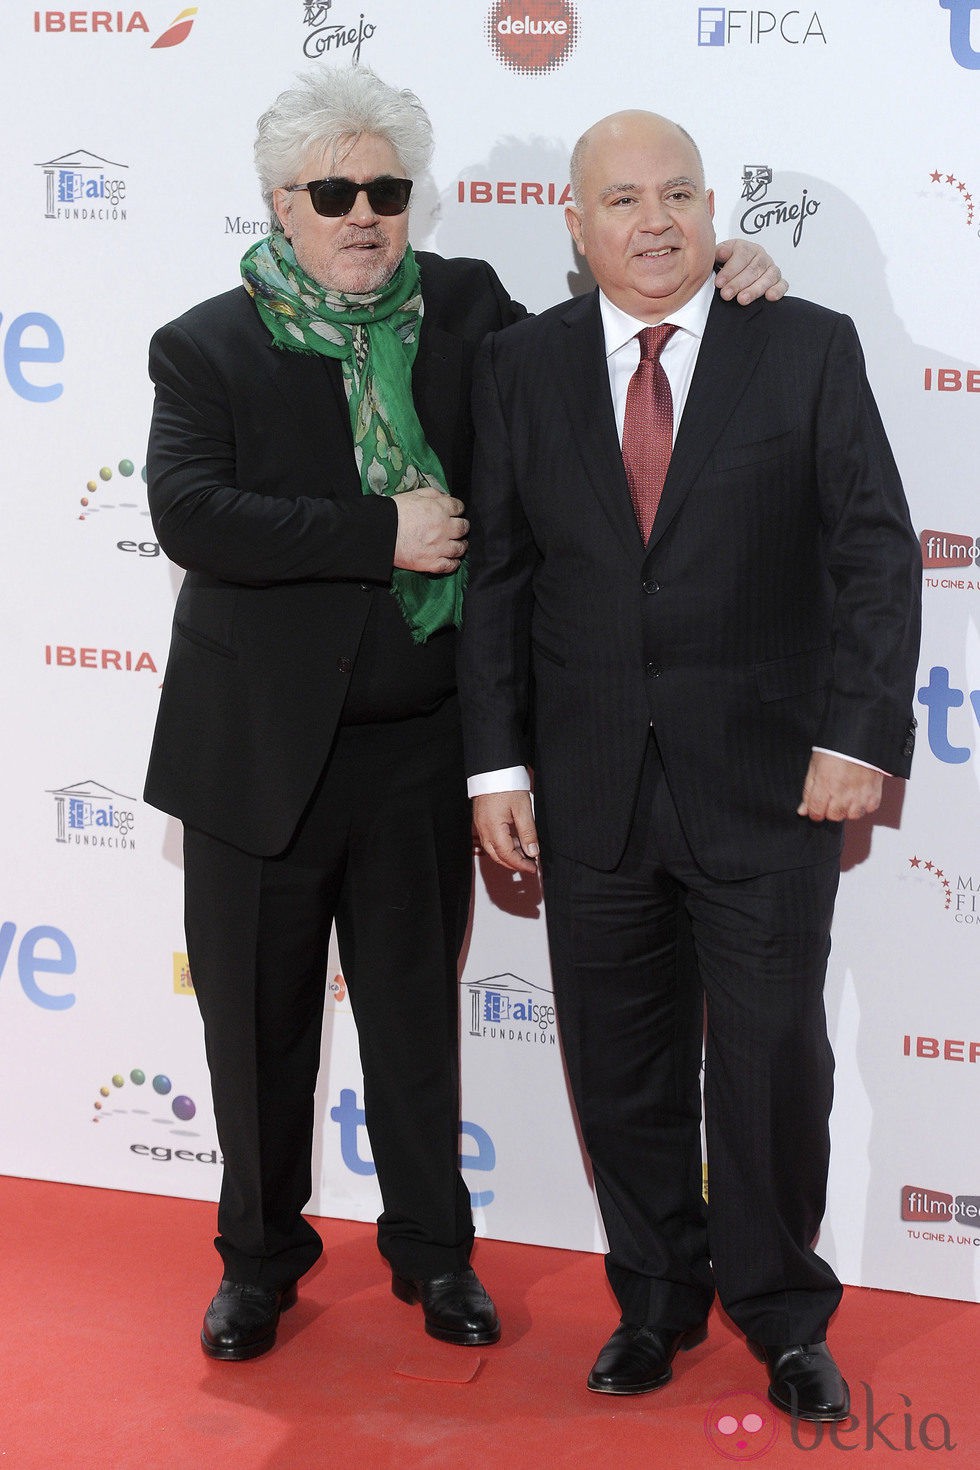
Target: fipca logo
113,22
83,186
329,37
507,1008
764,213
720,25
88,814
532,36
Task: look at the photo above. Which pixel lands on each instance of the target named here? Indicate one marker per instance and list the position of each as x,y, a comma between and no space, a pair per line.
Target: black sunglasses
335,197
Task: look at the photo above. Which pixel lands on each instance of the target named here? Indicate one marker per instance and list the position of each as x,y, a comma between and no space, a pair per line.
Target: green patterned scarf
376,337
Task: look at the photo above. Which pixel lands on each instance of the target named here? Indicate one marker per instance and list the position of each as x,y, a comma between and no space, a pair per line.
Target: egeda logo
960,22
349,1117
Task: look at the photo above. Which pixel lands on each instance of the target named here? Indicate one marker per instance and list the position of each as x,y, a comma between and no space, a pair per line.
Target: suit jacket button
344,665
654,670
651,586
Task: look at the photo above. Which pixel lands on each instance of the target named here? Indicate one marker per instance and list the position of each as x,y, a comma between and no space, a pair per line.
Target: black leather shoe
241,1321
805,1381
456,1307
637,1359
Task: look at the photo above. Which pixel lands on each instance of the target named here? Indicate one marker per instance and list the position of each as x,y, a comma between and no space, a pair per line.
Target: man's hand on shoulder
504,822
836,790
747,272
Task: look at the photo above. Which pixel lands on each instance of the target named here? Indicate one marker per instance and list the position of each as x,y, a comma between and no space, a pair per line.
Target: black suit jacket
775,609
253,489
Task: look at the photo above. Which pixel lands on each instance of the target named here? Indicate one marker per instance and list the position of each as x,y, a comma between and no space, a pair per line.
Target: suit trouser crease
384,847
642,957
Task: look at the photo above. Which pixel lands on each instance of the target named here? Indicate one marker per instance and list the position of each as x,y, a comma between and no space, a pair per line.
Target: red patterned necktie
648,428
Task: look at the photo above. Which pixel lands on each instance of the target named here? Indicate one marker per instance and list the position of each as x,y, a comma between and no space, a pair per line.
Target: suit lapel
583,379
734,339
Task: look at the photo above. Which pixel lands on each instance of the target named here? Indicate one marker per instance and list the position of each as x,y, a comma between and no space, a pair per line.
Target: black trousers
630,1011
385,850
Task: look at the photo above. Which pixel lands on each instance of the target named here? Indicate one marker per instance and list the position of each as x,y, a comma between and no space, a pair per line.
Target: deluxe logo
125,660
960,43
720,25
83,186
532,36
108,22
511,191
939,697
350,1119
763,213
507,1008
960,193
335,36
91,815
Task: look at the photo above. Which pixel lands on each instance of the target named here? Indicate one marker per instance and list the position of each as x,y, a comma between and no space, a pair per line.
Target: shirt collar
619,327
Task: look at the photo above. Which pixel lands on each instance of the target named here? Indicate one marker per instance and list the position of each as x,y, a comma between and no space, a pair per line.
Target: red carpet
100,1367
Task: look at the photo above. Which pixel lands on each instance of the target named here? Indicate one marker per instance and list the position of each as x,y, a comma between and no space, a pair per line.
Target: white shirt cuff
488,783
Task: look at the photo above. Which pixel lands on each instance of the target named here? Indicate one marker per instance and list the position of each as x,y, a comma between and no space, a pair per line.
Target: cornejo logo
764,213
334,36
532,36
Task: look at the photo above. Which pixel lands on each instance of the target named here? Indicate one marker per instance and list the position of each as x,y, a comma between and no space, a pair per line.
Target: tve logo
349,1117
34,958
32,337
939,697
960,19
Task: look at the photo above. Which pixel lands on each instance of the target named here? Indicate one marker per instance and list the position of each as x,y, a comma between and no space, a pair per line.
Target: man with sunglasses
308,463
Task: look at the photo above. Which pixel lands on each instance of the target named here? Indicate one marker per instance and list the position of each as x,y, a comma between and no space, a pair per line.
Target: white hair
337,105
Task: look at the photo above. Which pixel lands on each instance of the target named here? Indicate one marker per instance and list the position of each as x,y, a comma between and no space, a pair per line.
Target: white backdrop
846,137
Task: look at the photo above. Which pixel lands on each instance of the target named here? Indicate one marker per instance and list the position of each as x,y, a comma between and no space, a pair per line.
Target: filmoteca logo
532,36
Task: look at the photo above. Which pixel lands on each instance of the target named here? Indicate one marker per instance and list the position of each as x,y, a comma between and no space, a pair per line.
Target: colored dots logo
741,1426
126,469
182,1107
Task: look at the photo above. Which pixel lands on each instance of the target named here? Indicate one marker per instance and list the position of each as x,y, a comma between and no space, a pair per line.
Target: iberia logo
107,22
532,36
177,32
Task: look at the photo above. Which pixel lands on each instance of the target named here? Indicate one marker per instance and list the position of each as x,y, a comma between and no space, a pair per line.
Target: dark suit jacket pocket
758,451
800,673
548,653
201,640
